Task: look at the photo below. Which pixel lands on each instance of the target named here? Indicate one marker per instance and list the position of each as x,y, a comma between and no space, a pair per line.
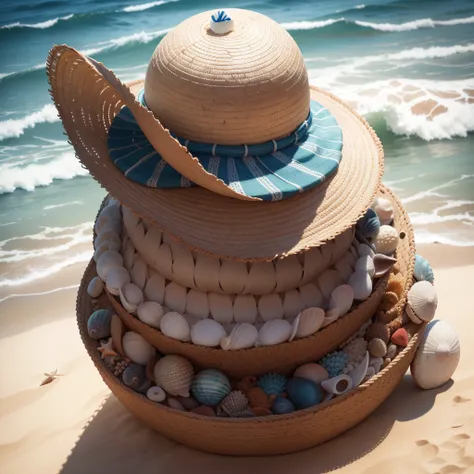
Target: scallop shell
307,323
150,312
210,387
155,288
437,356
134,376
136,348
312,371
311,295
382,264
156,394
131,297
422,302
116,279
365,263
337,385
274,332
175,297
242,336
139,273
369,225
361,284
358,373
98,324
384,210
174,325
197,304
108,260
387,240
423,270
174,375
364,249
270,307
220,307
245,309
207,332
341,299
95,287
329,281
234,403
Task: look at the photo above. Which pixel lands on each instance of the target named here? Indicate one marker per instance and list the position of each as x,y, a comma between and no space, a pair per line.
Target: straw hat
226,113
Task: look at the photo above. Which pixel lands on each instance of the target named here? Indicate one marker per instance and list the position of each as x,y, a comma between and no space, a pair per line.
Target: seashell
391,351
162,261
293,304
423,270
203,410
341,299
131,297
206,272
183,264
387,240
98,324
139,273
150,312
288,272
304,393
156,394
134,376
233,404
422,302
274,332
282,406
272,383
337,385
95,287
400,337
369,225
261,279
174,375
382,264
174,325
243,336
437,356
376,363
116,279
175,297
245,309
258,398
155,288
384,210
312,371
389,300
112,244
233,276
370,373
136,348
361,284
270,307
108,260
188,402
377,347
117,331
210,387
311,295
314,264
150,367
175,404
207,332
358,373
128,256
365,250
378,330
330,316
196,304
344,268
260,411
307,322
365,263
220,307
329,281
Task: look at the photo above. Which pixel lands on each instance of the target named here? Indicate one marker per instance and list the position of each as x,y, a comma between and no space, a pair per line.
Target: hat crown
244,86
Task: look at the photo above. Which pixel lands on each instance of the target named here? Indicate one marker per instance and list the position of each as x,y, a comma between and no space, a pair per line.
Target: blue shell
281,406
272,383
98,324
334,363
134,376
210,386
423,270
369,225
144,387
304,393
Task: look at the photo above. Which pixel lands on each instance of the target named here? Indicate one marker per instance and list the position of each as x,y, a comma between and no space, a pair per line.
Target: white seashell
162,261
242,336
196,304
174,375
307,323
116,278
293,304
314,264
108,245
136,348
311,295
337,385
129,218
364,250
156,394
233,276
150,312
131,297
344,268
361,284
370,373
376,363
358,373
312,371
206,273
245,309
183,265
207,332
105,223
289,272
262,279
108,260
341,299
329,281
330,316
95,287
270,307
174,325
155,288
220,307
110,237
175,297
422,302
128,256
139,273
384,210
387,240
365,263
150,243
437,356
274,332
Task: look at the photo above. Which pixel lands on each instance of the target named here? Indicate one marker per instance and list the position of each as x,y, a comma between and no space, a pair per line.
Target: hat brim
88,97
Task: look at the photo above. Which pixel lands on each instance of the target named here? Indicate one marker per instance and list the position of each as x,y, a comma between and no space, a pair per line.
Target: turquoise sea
406,65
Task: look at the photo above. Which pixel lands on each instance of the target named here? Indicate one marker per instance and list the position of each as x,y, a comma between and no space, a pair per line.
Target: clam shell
262,279
150,312
382,264
116,279
234,403
220,307
422,302
358,373
312,371
197,304
365,263
293,304
174,325
387,240
270,307
311,295
245,309
156,394
364,249
131,297
113,244
369,225
95,287
341,299
274,332
233,276
307,322
384,210
136,348
98,324
288,271
242,336
210,387
139,273
108,260
174,375
175,297
423,270
207,332
361,284
155,288
329,281
337,385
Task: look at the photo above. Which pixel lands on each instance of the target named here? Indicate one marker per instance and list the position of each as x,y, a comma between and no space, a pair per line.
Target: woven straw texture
88,96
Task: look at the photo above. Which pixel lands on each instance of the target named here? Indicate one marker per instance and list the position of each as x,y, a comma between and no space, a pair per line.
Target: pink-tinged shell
307,323
422,302
242,336
312,371
384,210
341,299
174,374
174,325
387,240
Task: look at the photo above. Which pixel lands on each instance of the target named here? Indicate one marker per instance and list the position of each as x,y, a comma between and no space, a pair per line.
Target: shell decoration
391,351
108,260
174,325
312,371
355,349
307,323
361,283
358,373
437,356
136,348
207,332
274,332
233,403
134,376
117,331
400,337
387,240
282,406
423,270
382,264
341,299
131,297
365,250
156,394
174,374
95,287
272,383
304,393
422,302
369,225
150,312
334,363
377,347
337,385
365,263
116,278
98,324
242,336
384,210
210,387
175,404
258,398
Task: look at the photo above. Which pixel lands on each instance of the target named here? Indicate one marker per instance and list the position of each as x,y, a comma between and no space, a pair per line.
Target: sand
75,425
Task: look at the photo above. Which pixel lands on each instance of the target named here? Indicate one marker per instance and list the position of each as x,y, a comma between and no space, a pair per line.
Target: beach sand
75,425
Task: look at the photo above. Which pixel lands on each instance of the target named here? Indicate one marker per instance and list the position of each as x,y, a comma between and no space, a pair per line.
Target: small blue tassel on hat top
221,23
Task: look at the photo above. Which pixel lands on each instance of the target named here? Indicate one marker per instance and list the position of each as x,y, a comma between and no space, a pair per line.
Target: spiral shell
242,336
387,240
174,325
136,348
422,302
174,375
207,332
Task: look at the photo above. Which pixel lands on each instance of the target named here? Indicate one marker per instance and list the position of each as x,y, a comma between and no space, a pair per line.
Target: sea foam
146,6
41,25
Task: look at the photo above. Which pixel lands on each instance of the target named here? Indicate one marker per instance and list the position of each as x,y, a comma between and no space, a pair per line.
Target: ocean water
406,65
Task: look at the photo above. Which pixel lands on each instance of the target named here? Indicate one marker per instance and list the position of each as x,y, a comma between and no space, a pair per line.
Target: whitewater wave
146,6
41,293
55,206
42,25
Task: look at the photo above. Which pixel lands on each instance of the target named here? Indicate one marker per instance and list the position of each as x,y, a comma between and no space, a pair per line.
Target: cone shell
174,325
151,313
437,356
387,240
400,337
131,297
378,330
384,210
377,347
307,322
116,279
108,260
174,375
242,336
207,332
274,332
361,284
423,270
341,299
136,348
98,324
312,371
233,404
422,302
95,287
210,387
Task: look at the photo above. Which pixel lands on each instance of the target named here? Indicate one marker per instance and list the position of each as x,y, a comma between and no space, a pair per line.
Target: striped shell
150,312
174,374
422,302
423,270
210,386
369,225
98,324
307,323
174,325
234,403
